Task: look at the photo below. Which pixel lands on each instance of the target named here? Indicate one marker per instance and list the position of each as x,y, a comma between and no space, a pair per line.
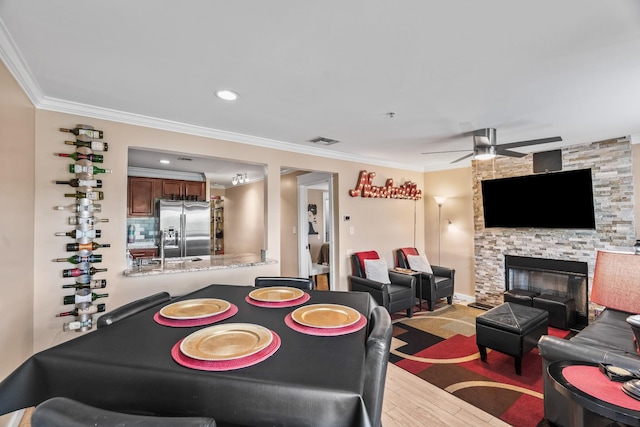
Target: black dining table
127,367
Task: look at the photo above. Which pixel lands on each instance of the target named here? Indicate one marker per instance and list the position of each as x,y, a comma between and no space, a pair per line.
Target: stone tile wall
611,166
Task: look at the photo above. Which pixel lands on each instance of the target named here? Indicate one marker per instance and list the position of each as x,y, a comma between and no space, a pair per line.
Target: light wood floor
411,401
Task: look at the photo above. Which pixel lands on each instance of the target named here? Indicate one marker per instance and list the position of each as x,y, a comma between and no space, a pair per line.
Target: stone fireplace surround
612,174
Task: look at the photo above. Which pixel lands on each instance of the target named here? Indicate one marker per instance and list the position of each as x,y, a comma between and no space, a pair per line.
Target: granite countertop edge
213,263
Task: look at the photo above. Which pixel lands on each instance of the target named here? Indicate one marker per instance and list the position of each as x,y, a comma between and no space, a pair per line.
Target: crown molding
59,105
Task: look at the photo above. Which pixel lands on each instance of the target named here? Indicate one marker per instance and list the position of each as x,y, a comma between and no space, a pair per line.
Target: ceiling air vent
186,159
324,141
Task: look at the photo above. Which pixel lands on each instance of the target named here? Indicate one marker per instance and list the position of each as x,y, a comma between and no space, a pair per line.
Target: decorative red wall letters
364,188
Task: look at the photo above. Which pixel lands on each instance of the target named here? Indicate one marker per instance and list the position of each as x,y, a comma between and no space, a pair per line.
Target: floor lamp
440,201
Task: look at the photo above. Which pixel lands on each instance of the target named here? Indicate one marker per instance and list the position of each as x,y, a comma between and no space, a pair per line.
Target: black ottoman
562,310
512,329
520,296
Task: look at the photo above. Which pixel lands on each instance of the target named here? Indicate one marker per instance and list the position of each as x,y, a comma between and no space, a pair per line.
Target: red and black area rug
440,347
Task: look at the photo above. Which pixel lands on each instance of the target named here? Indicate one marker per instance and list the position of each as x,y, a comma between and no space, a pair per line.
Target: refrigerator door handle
183,235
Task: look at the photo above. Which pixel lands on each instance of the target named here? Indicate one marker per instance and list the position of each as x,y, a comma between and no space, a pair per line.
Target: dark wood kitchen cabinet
141,197
177,189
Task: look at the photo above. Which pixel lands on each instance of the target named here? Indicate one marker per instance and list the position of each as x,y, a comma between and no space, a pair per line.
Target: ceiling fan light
484,152
234,180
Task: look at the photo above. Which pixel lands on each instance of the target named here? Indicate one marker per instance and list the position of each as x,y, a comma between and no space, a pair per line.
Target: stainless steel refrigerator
186,227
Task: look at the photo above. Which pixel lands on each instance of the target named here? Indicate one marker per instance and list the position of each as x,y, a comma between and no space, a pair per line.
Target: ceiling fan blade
509,153
530,142
443,152
463,157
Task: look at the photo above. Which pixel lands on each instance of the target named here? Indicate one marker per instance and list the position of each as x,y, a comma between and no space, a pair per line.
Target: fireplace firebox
551,276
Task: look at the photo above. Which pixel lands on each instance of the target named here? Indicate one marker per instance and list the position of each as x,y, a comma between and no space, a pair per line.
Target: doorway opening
316,229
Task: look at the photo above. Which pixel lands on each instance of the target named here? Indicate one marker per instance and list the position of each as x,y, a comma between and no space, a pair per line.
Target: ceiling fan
485,146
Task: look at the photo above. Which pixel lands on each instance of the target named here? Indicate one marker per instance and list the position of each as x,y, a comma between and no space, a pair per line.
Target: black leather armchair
65,412
395,296
438,285
293,282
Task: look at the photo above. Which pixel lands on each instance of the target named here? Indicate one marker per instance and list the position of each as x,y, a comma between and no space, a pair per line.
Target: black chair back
293,282
65,412
401,256
132,308
376,360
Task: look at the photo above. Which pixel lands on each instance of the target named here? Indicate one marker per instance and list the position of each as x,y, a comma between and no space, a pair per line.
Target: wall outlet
352,230
347,218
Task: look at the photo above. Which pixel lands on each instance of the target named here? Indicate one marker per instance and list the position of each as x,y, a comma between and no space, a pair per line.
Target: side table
418,276
595,400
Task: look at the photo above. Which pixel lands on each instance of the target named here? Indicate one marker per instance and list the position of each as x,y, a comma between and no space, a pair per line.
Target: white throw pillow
419,263
377,270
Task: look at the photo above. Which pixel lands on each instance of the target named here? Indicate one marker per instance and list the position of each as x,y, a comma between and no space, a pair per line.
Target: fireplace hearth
551,276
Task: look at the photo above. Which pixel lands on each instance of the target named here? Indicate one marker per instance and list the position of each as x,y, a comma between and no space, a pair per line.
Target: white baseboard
463,298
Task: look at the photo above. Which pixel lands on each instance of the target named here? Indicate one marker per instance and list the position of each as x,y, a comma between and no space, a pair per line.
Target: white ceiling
336,68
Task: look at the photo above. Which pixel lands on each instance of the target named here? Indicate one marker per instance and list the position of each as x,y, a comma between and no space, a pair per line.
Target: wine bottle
77,259
92,170
96,158
79,298
97,183
74,272
91,195
87,206
79,130
77,325
89,309
94,145
93,284
72,247
79,234
85,221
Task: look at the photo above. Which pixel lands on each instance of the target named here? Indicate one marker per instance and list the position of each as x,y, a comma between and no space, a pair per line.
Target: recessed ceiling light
165,162
227,95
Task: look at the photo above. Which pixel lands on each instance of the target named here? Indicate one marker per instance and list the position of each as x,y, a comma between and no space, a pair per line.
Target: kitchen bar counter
199,263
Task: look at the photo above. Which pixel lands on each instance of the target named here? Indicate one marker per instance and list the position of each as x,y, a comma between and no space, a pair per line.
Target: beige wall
289,222
456,242
244,219
17,118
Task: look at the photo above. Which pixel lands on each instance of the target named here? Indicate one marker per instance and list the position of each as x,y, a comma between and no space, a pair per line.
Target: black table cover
309,381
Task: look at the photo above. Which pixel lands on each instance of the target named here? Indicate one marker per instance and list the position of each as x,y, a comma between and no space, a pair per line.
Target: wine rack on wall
83,252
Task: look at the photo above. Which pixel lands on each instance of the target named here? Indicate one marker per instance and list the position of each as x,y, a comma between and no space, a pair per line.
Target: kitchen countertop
200,263
142,245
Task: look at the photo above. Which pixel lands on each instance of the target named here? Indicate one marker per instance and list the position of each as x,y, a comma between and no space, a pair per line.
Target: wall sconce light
239,178
450,226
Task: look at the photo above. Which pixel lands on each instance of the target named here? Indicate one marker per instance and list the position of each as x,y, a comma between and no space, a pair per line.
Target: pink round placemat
590,380
325,332
175,323
225,365
304,298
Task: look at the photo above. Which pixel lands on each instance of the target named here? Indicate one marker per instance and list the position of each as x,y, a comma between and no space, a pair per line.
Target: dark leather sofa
608,339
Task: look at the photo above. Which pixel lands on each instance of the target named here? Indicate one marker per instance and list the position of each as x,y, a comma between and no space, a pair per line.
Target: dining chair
132,308
435,285
376,359
293,282
65,412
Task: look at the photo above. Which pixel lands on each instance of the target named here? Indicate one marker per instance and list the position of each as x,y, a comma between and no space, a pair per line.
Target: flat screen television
546,200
